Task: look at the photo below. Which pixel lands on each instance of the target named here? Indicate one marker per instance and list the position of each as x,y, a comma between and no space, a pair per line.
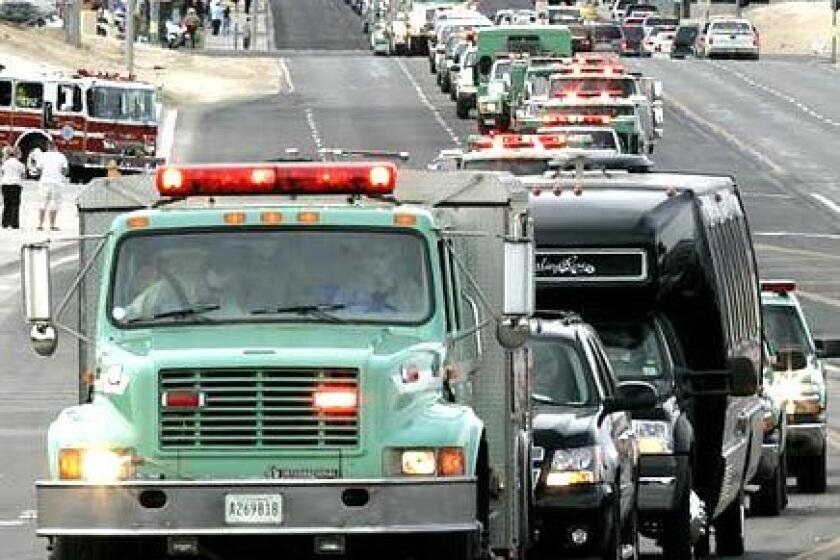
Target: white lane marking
825,551
831,302
832,368
726,135
832,236
24,517
775,93
827,202
11,523
287,77
166,137
767,195
429,105
313,129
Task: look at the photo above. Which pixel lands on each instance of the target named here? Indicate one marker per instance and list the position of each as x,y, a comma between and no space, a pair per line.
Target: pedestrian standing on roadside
226,21
54,169
216,14
13,173
192,22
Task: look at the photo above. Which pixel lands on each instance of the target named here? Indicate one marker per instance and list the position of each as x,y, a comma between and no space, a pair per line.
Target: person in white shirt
216,14
54,169
11,179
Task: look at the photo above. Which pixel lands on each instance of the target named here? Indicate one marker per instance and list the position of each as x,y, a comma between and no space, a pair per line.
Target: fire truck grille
257,408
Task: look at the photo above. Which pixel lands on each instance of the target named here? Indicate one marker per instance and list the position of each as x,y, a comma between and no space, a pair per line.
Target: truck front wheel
811,475
729,529
676,527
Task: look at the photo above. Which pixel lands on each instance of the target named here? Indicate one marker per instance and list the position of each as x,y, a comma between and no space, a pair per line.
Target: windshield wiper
543,399
321,311
178,313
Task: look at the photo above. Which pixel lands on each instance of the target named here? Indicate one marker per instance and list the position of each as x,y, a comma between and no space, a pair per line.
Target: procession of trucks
538,347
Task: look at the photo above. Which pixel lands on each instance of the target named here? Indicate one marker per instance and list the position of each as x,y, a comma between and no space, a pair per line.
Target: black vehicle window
447,285
784,329
69,99
634,350
561,375
606,32
5,93
29,95
687,34
524,44
633,32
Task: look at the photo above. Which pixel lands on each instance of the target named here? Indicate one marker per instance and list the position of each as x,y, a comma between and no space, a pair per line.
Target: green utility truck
511,42
313,357
630,120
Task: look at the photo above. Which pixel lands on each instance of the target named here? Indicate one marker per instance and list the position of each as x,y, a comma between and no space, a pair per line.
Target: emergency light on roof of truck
601,70
781,287
364,178
588,94
559,120
518,141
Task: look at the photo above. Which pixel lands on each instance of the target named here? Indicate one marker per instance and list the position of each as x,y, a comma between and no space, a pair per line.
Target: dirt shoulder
184,76
793,27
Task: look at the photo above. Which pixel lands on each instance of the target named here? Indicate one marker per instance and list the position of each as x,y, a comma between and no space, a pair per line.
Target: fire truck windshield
122,104
330,274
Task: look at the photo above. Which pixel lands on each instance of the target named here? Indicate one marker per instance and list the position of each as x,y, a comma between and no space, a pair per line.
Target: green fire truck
317,357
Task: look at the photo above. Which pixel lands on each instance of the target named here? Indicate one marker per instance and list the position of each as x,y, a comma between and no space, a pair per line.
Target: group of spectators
51,166
213,14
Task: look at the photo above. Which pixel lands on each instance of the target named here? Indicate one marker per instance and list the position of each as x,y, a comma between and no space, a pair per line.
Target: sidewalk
12,239
261,31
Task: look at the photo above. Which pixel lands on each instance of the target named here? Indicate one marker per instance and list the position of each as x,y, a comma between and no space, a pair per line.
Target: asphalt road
767,123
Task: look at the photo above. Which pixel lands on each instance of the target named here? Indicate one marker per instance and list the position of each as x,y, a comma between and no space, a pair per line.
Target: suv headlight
578,465
655,436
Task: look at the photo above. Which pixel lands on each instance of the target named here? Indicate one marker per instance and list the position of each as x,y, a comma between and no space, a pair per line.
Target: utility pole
73,22
129,36
834,6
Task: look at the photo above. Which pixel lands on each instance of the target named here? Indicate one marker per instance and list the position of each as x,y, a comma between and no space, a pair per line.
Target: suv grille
261,408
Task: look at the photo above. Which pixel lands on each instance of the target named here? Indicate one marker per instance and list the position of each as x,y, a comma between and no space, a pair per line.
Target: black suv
585,452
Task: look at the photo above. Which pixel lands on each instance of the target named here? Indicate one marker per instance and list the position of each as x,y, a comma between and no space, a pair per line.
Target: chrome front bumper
310,507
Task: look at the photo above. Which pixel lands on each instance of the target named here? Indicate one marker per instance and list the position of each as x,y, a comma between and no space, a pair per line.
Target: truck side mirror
744,377
828,347
37,307
519,278
630,396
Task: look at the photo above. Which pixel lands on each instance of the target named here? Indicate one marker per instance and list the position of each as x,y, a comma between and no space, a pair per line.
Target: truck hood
266,345
564,427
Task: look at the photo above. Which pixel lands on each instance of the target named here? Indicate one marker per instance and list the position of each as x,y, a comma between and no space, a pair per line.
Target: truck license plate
256,509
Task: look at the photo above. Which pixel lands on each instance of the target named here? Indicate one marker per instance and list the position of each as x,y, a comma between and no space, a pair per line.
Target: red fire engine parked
92,117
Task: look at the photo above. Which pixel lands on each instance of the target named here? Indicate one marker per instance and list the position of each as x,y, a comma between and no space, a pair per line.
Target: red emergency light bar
781,287
518,141
557,120
373,179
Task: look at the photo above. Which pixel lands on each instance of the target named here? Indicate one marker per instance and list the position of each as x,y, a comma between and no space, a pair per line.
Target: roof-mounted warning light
558,120
780,287
359,178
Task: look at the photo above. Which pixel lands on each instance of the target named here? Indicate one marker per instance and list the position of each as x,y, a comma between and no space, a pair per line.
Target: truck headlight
487,107
418,462
579,465
654,436
97,465
440,461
